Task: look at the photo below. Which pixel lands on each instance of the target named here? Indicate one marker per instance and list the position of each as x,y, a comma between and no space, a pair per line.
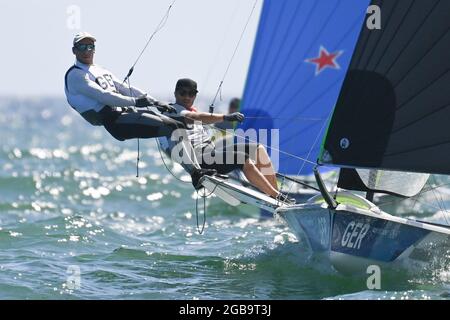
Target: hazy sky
197,41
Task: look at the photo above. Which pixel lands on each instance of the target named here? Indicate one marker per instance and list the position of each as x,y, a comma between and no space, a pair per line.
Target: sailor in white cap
102,99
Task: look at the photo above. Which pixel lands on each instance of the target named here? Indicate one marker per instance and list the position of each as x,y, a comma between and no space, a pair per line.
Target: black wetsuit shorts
227,159
140,123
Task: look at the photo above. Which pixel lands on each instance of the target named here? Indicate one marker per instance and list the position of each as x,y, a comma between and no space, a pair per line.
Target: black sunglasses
191,93
85,47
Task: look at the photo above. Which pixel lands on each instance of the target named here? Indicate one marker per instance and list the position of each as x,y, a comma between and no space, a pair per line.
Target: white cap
82,35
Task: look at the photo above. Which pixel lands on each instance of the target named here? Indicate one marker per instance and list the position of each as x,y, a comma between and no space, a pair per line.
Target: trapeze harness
103,101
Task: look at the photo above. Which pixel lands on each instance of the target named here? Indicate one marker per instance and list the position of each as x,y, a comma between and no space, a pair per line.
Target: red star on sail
325,60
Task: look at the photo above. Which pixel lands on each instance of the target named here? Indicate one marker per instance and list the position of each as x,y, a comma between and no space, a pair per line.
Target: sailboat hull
311,224
356,236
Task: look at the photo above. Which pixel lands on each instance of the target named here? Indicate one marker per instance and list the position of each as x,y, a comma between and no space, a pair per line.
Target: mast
324,191
372,183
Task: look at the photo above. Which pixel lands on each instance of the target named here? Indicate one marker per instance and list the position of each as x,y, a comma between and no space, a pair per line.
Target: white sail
407,184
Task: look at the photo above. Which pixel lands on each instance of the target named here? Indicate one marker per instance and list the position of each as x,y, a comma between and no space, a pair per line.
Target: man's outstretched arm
208,118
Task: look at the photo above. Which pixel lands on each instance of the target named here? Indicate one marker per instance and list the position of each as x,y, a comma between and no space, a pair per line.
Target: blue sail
299,61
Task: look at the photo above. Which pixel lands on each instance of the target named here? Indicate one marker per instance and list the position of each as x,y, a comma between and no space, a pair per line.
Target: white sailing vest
102,77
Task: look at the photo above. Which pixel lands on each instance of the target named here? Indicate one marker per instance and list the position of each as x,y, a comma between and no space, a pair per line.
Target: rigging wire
416,199
219,89
222,44
200,231
280,151
204,196
159,27
265,145
165,165
211,109
138,158
309,153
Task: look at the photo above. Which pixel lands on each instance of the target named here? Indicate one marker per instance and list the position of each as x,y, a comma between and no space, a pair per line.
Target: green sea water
76,223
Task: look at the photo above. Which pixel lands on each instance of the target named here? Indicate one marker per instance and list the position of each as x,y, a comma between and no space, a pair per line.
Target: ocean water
76,223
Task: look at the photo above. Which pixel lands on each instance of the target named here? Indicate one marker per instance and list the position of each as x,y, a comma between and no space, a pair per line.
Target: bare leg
264,165
258,180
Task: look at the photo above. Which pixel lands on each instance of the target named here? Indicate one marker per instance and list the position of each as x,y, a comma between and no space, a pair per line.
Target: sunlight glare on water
69,197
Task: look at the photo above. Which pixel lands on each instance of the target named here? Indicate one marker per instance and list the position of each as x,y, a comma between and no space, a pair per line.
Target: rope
297,181
138,158
165,165
204,215
309,153
159,27
305,161
204,207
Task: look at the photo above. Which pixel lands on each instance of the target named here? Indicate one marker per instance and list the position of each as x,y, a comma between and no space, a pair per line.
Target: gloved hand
164,107
144,101
237,116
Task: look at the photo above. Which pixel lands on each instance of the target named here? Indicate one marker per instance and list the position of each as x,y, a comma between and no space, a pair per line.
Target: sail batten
392,112
408,125
408,40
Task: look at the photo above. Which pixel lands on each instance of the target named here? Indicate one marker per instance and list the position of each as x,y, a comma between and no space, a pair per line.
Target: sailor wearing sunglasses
214,158
103,100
